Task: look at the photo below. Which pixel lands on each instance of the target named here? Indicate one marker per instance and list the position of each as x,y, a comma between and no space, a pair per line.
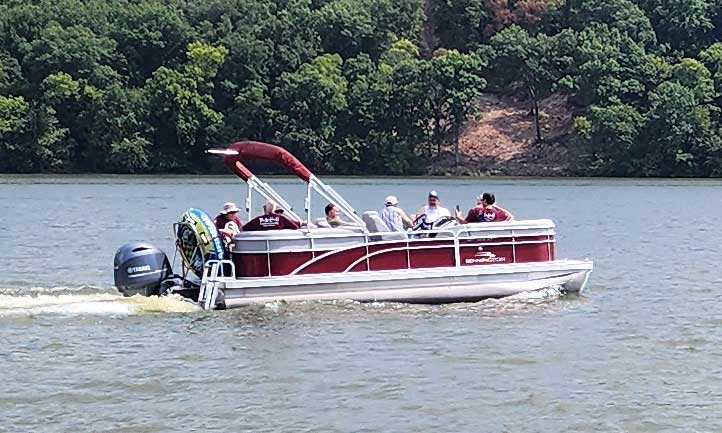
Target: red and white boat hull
451,262
437,285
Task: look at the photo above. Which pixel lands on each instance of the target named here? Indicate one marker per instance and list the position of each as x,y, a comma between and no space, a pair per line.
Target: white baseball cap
391,200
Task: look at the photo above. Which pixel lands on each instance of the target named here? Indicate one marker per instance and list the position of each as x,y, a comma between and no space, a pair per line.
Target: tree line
352,86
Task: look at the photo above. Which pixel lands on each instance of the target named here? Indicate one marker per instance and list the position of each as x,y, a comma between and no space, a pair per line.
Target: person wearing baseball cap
433,209
393,216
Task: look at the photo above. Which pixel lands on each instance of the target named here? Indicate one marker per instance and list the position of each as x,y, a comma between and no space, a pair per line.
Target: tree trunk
437,126
457,154
535,111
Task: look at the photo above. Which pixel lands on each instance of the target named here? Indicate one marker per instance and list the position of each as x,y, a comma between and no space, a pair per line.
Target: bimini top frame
245,150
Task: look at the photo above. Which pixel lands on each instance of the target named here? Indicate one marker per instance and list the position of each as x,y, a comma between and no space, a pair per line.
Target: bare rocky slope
502,141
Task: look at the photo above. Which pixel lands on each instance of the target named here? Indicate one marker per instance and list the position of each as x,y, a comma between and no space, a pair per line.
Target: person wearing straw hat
228,222
393,216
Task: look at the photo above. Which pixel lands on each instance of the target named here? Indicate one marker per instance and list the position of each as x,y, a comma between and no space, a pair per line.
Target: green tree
14,124
292,35
520,60
308,102
150,34
180,108
679,134
30,137
454,82
346,27
459,24
601,64
695,76
613,131
75,50
623,15
712,59
10,74
405,129
683,25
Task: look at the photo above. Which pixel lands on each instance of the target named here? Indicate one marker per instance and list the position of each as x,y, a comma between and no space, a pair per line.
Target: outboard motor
140,268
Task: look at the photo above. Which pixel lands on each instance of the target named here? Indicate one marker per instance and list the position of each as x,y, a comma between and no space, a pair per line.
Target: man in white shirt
393,216
433,209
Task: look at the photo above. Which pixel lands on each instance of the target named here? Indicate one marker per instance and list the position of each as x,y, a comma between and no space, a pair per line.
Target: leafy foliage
353,86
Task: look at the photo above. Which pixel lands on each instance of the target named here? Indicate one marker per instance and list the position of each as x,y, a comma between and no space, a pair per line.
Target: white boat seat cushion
376,225
322,223
374,222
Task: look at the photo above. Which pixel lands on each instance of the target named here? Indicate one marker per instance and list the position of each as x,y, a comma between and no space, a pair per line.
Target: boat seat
321,223
376,225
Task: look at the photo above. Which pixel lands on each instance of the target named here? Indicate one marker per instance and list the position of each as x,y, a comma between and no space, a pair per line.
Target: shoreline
343,176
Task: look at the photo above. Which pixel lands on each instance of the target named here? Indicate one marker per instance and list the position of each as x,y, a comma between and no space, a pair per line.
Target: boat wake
544,294
524,302
85,301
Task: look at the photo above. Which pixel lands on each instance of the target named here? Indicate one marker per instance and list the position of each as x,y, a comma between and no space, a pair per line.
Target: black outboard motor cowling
140,268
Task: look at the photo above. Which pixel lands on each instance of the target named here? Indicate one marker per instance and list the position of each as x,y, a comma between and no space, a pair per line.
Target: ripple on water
636,353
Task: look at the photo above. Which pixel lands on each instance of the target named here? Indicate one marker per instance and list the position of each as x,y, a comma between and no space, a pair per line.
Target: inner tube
198,240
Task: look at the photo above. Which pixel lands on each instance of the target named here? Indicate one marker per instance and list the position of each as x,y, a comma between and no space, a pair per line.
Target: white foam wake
91,304
547,293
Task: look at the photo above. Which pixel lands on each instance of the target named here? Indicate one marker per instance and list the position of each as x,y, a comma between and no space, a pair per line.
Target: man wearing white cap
395,217
433,209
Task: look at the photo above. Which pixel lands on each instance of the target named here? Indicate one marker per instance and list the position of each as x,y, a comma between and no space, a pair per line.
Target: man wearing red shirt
485,211
227,220
270,220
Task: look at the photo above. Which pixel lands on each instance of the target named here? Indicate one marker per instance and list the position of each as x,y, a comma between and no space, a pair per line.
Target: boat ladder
213,274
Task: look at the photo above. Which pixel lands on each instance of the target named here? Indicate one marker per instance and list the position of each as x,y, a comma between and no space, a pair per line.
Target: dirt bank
502,141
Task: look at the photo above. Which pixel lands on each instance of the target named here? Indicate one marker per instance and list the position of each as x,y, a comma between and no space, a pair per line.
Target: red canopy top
268,152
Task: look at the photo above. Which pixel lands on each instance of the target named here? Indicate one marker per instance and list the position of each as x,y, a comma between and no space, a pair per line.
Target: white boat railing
455,231
456,238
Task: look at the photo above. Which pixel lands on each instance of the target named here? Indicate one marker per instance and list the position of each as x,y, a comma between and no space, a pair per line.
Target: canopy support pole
335,198
270,194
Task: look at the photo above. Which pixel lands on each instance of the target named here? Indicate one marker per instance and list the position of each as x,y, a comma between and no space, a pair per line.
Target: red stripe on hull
413,253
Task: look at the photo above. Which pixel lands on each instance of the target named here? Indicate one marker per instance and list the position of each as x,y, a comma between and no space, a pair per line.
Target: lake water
639,351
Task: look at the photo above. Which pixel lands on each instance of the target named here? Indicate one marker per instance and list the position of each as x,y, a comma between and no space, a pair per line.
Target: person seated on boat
228,222
271,220
280,211
433,210
333,217
393,216
485,211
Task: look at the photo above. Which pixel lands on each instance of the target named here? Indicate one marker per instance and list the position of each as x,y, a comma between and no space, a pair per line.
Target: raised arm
459,216
408,223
